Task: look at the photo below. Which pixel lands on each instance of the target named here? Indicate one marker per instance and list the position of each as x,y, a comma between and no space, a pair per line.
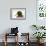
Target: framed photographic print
18,13
41,9
41,12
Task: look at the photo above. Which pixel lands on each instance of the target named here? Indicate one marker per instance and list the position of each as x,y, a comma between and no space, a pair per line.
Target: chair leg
5,43
17,41
5,40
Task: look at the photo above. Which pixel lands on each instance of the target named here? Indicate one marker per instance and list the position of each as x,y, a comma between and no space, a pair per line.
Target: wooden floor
13,44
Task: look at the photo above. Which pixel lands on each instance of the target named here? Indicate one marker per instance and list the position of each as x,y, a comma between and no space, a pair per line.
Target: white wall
24,25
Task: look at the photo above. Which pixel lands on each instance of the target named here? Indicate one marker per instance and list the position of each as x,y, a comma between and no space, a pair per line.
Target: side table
8,34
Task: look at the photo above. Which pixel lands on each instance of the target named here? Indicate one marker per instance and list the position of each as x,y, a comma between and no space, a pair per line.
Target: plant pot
40,41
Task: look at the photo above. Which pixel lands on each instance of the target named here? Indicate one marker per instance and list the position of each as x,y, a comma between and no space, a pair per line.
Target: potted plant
39,35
